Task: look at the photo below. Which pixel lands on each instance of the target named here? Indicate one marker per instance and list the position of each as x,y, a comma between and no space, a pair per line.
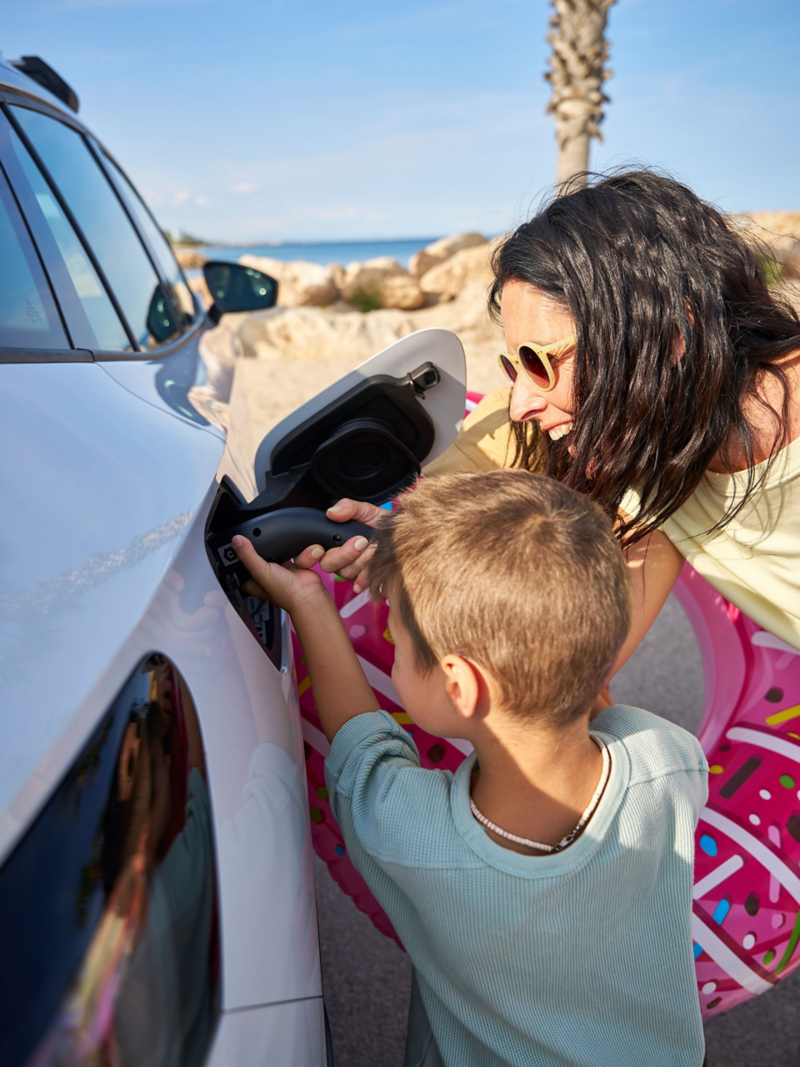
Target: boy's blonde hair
514,572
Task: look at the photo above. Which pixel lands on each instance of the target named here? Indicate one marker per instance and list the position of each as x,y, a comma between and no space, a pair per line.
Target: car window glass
109,901
158,242
28,315
106,227
104,329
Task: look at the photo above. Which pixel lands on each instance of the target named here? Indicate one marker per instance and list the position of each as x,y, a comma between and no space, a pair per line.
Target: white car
156,891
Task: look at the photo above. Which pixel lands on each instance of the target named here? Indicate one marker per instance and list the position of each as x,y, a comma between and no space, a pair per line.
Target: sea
324,252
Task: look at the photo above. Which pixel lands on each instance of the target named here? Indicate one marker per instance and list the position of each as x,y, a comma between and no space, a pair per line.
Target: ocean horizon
324,252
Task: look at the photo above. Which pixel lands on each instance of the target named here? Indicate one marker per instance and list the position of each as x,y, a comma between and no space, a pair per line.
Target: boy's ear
465,685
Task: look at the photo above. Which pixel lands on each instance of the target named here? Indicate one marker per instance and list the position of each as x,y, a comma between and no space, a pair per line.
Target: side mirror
237,288
160,318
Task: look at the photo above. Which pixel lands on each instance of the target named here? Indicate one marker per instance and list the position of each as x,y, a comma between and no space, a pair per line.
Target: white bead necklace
565,841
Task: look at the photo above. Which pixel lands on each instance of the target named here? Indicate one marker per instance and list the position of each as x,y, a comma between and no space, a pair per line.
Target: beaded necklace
565,841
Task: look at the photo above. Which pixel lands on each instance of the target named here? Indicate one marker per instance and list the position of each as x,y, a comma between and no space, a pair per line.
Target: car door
366,436
106,599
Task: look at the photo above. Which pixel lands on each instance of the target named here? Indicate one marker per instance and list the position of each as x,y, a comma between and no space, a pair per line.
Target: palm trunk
576,78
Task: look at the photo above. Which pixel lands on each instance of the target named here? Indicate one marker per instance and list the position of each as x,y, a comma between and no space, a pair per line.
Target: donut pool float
746,898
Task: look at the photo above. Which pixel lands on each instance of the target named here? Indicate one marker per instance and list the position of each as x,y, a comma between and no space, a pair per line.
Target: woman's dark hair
642,263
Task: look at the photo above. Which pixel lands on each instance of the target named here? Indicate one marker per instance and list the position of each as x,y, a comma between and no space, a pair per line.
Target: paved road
367,977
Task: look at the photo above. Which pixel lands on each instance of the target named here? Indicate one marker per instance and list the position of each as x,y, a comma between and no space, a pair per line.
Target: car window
107,229
99,325
28,315
109,901
158,242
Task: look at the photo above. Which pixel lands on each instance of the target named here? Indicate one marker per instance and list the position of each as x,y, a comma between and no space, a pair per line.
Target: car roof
11,78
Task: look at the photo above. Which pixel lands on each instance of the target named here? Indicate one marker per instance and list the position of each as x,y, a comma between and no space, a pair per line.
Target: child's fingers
259,568
287,586
252,588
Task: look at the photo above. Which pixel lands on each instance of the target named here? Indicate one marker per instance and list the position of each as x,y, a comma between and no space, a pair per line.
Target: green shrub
366,300
770,270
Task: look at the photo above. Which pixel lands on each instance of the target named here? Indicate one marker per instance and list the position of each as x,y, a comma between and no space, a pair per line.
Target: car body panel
176,383
92,516
283,1035
249,716
128,574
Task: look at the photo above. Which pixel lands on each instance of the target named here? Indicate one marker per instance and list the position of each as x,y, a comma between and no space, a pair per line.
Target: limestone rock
780,223
189,258
383,280
198,285
790,264
381,263
300,284
337,273
437,252
790,291
778,234
317,334
468,268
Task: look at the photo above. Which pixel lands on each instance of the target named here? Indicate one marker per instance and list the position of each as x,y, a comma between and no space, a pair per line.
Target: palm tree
578,72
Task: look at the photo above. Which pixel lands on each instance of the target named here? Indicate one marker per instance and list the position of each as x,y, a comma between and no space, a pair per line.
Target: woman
653,370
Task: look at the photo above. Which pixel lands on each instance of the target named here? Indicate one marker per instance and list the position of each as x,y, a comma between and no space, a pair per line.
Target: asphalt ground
367,978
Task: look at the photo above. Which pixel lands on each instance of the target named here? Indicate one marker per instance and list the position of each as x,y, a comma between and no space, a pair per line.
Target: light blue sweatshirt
583,958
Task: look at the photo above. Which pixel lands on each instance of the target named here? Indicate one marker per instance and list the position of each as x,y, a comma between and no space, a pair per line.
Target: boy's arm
340,687
341,690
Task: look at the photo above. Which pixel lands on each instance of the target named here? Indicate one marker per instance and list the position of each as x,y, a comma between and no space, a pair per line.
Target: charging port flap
366,436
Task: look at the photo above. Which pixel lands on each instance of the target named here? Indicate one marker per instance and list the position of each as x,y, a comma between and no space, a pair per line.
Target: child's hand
289,587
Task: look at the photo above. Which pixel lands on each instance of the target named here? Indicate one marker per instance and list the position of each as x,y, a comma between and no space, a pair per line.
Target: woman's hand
289,587
350,561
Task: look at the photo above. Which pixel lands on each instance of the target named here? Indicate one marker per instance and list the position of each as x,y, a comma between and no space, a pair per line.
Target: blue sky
246,120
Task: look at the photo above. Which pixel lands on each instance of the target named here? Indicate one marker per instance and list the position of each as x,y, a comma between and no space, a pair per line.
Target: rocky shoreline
331,318
351,312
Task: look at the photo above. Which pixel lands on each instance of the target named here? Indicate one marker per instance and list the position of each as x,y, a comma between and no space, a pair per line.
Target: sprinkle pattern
754,765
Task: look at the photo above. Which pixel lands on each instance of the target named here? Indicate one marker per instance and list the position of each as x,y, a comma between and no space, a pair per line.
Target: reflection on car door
109,902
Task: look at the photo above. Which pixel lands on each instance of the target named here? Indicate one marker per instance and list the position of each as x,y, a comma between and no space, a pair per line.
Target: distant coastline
323,252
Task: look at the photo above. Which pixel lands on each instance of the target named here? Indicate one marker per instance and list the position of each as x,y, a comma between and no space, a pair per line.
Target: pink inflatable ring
746,906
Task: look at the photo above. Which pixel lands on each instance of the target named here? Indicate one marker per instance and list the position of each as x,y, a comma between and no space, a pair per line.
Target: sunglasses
535,361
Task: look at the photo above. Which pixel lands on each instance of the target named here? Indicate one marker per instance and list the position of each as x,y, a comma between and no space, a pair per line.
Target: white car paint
110,471
105,505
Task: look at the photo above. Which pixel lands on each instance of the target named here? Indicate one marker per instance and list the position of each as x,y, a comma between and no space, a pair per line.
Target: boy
543,891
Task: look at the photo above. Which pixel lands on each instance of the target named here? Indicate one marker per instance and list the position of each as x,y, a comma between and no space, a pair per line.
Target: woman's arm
654,565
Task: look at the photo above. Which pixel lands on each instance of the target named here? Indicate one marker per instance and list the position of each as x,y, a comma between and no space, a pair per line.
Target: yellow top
754,561
485,442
